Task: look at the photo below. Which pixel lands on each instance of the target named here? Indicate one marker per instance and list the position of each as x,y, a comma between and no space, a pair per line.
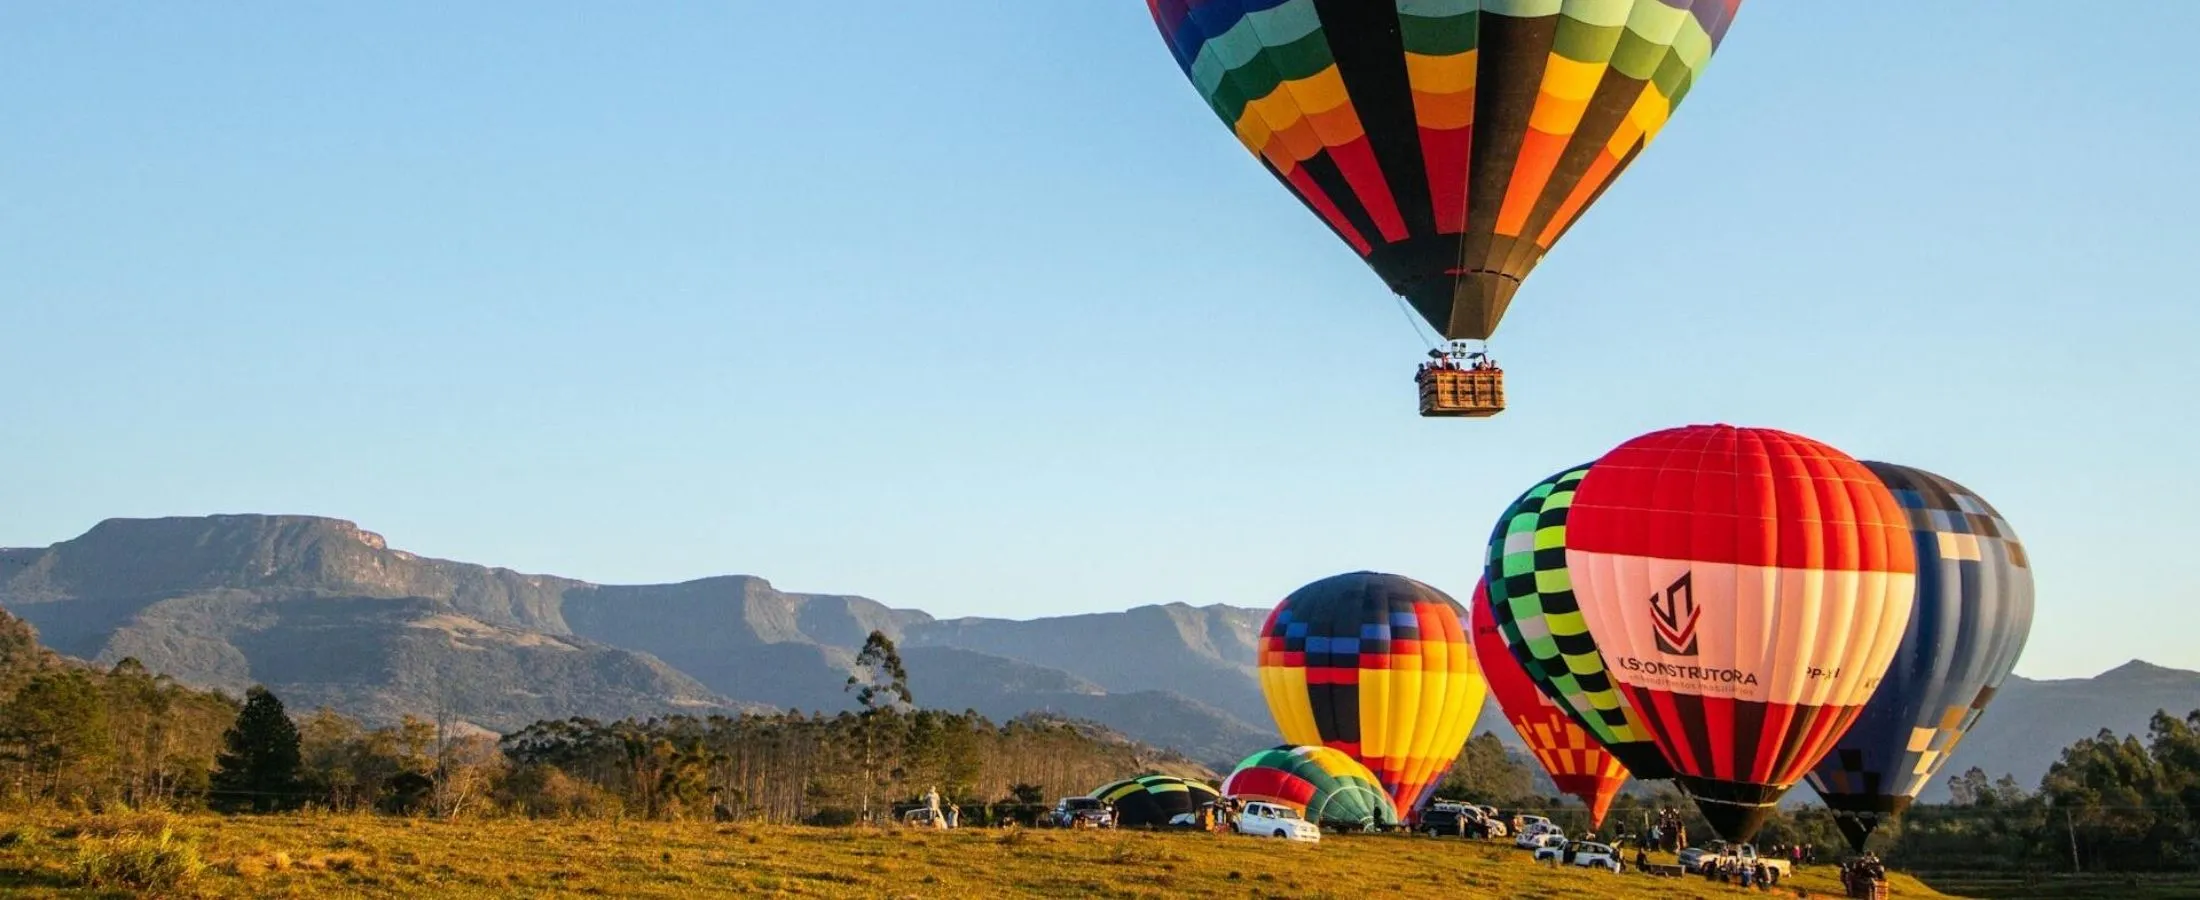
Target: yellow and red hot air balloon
1379,667
1747,588
1578,764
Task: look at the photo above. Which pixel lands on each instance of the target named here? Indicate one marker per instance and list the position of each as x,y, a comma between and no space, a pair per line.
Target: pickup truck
1586,853
1276,820
1721,854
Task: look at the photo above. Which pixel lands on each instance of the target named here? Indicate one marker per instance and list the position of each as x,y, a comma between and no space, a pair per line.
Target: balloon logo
1969,624
1747,588
1378,667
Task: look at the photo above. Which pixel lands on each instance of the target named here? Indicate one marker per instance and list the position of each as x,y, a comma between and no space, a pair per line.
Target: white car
1539,840
1276,821
1533,836
1586,854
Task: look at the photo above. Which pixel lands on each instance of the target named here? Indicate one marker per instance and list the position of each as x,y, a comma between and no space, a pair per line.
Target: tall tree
258,769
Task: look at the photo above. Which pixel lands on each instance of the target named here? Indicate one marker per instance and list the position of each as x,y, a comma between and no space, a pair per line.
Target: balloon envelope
1576,762
1969,624
1449,143
1324,785
1532,606
1748,587
1152,800
1377,666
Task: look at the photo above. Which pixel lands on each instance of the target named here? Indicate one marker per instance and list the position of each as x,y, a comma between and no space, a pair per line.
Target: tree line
76,735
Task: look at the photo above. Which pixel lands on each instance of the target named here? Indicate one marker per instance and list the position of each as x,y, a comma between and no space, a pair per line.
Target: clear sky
975,307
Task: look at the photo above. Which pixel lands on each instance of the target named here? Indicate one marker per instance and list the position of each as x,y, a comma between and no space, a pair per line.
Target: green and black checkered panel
1532,602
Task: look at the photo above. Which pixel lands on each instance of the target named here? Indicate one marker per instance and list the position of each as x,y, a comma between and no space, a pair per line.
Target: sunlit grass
359,856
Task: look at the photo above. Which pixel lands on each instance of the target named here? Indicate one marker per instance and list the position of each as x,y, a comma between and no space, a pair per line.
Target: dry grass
310,856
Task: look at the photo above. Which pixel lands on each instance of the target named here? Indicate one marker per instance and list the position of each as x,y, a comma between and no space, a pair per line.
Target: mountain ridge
325,609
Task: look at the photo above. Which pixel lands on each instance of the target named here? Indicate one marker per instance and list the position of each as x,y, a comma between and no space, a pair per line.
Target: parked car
1458,820
1531,835
1770,870
1079,812
1540,840
1588,854
1275,820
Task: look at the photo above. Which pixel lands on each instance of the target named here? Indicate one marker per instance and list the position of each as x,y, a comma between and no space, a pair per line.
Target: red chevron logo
1674,619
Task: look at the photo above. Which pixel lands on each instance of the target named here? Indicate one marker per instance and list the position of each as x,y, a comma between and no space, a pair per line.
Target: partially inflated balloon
1449,142
1324,785
1748,587
1377,666
1532,606
1577,763
1973,613
1153,800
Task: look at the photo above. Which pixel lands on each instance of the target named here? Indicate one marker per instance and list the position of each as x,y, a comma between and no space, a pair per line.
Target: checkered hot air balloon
1323,785
1378,667
1531,606
1969,624
1449,142
1577,763
1747,588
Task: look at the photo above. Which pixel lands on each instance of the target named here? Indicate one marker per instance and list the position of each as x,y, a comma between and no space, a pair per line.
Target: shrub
149,865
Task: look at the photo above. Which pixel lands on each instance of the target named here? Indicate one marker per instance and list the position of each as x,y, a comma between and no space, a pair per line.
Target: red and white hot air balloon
1748,588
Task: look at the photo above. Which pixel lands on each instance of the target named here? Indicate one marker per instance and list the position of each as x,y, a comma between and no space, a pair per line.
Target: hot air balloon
1970,621
1449,143
1577,763
1151,801
1377,666
1324,785
1748,588
1533,608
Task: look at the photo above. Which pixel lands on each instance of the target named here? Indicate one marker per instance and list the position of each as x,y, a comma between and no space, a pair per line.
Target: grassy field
2003,886
56,855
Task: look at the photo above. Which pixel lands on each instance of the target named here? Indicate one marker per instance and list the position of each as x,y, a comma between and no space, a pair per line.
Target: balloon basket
1461,393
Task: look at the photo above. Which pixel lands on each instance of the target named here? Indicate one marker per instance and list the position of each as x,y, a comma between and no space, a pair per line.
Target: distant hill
2030,722
324,612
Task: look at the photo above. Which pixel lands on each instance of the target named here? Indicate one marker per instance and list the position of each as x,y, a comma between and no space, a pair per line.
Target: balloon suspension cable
1414,324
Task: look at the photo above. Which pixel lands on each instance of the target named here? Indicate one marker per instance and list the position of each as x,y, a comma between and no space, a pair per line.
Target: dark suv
1451,821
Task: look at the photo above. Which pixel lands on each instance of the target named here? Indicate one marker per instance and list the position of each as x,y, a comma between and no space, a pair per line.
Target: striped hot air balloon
1747,588
1532,607
1377,666
1150,801
1450,143
1970,622
1324,785
1577,763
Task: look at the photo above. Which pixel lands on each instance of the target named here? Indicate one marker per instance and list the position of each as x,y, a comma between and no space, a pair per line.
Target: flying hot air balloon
1532,607
1576,762
1450,143
1377,666
1972,616
1747,588
1323,785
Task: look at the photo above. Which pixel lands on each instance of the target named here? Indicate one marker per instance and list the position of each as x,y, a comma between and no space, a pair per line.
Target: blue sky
975,307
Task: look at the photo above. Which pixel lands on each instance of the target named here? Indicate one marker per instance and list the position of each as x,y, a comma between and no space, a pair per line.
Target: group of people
1445,361
1220,816
1863,870
1670,834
